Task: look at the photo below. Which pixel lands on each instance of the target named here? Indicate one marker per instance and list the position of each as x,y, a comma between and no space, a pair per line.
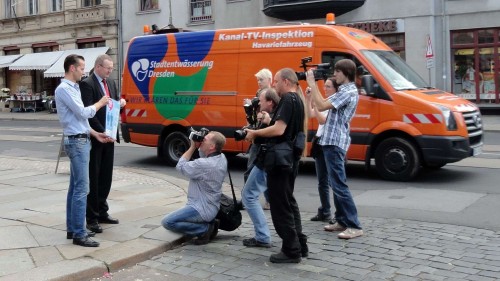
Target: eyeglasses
108,67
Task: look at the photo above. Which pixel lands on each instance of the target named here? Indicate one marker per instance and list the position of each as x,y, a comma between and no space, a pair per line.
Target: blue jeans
346,213
187,221
323,186
254,186
253,152
78,151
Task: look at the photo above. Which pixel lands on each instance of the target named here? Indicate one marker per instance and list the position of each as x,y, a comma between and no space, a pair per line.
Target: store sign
374,27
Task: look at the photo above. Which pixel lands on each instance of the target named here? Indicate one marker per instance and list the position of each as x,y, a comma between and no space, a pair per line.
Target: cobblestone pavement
390,250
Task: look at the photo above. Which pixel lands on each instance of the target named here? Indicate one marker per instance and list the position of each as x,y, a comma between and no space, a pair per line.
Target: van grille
474,125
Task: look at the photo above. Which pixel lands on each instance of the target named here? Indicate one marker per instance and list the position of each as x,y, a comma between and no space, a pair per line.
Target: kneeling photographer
288,121
256,182
206,175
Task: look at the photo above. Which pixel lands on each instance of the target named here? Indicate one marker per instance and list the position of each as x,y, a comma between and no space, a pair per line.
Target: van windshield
395,70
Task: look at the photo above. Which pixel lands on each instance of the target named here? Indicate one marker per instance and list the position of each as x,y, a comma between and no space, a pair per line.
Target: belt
79,136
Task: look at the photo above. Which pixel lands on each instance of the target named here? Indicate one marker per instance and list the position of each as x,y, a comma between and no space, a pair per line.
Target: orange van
176,81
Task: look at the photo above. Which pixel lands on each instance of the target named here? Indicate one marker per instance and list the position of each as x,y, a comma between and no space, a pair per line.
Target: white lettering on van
161,74
185,63
282,44
289,34
254,35
231,37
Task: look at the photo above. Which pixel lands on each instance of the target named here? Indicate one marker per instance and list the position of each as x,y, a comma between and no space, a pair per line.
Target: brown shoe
335,227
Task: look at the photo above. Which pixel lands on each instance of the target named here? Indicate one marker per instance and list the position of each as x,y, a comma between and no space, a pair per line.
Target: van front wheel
174,145
397,159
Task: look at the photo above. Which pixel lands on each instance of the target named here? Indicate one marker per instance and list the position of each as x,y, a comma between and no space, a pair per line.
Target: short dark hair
72,60
271,95
347,67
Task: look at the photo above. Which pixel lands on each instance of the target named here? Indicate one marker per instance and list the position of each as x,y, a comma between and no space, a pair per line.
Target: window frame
90,3
204,16
155,5
32,4
57,3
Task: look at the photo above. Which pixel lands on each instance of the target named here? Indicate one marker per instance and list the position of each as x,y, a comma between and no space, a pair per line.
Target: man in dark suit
93,88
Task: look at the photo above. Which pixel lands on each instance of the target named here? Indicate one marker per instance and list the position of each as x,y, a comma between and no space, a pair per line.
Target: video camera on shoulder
322,71
251,107
197,136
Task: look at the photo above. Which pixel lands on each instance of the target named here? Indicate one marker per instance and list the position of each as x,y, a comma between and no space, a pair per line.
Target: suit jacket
92,92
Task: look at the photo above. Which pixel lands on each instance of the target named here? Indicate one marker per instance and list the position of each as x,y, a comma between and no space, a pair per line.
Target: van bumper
125,133
442,150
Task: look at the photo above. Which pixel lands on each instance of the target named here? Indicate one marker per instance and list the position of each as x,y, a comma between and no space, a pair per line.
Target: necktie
106,89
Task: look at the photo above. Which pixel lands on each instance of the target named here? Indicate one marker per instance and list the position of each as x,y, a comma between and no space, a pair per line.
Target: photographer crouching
281,170
206,175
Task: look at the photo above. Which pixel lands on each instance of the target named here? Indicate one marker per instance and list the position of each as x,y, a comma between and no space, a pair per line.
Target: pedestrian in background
93,88
73,116
335,141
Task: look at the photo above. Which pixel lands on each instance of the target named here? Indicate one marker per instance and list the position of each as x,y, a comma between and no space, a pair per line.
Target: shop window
147,5
32,7
475,71
462,38
55,5
201,10
90,3
485,36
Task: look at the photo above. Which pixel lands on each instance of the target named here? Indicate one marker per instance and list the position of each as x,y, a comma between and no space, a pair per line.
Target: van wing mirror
368,84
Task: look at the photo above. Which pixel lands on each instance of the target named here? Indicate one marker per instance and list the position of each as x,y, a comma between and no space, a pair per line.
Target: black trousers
100,176
285,210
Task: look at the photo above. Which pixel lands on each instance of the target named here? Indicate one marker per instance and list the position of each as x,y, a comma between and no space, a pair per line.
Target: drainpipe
120,42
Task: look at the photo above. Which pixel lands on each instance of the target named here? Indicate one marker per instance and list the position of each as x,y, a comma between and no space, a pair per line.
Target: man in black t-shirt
284,127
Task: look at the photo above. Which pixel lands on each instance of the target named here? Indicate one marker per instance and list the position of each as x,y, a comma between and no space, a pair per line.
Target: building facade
36,35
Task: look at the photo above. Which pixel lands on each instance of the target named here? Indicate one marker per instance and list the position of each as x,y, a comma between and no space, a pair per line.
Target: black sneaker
282,258
322,218
251,242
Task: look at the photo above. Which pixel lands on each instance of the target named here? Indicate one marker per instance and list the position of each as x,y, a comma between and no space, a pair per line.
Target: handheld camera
322,71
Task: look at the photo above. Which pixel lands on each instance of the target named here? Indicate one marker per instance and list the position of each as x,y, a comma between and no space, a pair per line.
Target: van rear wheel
174,145
397,159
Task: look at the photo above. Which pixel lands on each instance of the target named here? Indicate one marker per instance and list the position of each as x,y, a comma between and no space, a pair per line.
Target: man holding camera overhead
335,141
206,175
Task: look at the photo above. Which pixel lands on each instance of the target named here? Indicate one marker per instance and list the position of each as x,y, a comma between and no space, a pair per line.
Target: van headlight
449,117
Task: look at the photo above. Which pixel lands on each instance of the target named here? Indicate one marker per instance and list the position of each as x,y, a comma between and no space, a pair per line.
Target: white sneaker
350,233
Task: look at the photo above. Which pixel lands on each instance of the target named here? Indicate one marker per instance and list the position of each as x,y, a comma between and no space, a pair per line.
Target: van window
395,70
334,57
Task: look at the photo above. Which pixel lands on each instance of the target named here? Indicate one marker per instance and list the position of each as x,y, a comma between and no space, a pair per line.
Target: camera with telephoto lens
251,107
322,71
198,136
